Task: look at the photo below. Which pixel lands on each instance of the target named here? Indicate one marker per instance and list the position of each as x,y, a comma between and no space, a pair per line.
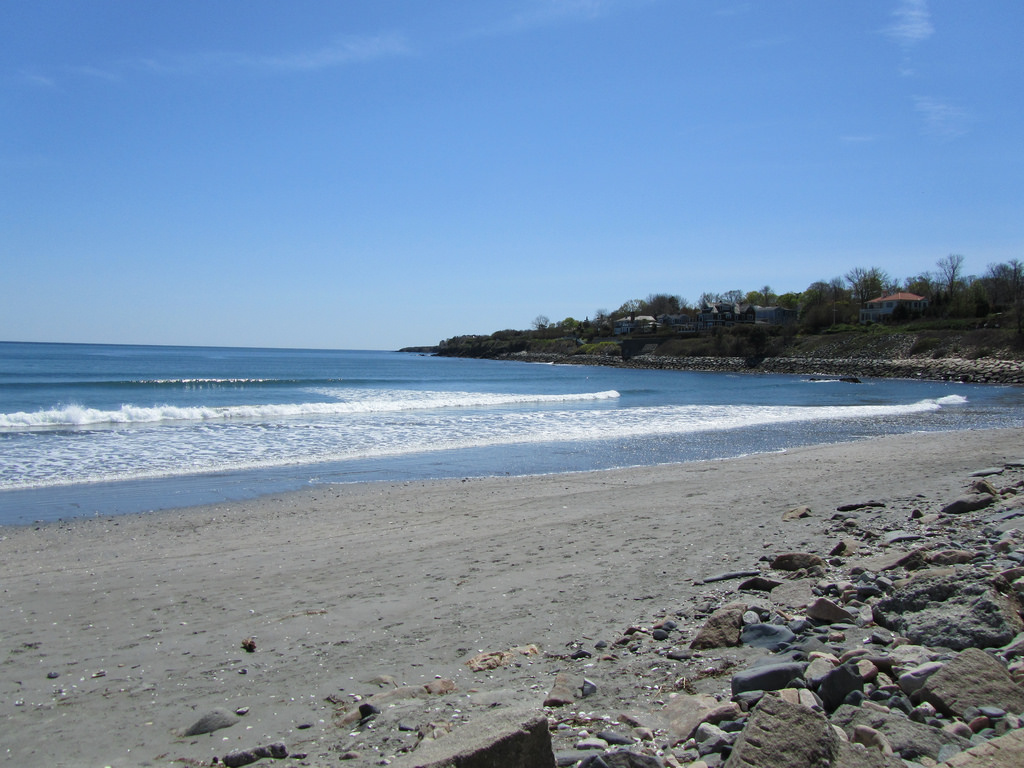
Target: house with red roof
881,309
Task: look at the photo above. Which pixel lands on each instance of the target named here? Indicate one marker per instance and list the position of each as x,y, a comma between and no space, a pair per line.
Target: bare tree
867,284
540,322
950,272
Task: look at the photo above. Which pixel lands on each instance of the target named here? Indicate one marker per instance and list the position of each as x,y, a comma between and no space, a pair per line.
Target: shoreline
981,370
120,632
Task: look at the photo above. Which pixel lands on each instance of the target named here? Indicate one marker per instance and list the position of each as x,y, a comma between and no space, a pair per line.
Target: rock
238,758
969,503
771,637
795,561
844,548
950,557
956,611
895,537
987,472
908,739
366,709
729,575
616,739
859,505
562,692
440,686
838,684
509,738
796,513
620,759
827,611
869,737
768,677
1004,752
722,629
494,659
684,712
972,679
784,735
760,584
913,680
211,721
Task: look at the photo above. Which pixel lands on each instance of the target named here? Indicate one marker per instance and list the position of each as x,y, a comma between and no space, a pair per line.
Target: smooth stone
212,721
769,636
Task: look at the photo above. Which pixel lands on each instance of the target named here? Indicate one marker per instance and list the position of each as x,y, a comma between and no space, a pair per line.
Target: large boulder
781,734
910,740
958,610
972,679
511,739
721,630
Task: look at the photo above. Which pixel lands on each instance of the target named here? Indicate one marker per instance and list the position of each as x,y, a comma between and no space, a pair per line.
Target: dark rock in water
972,679
769,677
958,611
211,721
769,636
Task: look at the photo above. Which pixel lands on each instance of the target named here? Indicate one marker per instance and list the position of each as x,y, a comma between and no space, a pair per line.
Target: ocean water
98,429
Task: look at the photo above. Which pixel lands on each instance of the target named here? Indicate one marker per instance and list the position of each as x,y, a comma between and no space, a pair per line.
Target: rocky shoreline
981,370
902,646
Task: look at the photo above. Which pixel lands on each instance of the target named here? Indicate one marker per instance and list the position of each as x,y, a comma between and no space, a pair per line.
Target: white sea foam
354,402
191,446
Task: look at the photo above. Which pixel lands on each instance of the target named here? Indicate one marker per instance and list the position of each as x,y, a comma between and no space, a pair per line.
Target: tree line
997,296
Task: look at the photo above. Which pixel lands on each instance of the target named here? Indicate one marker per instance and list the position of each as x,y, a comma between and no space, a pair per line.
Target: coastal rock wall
989,370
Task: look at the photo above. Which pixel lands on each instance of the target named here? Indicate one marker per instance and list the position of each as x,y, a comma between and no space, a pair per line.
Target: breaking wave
349,402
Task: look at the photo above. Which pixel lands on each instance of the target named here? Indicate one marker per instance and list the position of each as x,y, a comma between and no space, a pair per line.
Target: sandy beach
117,634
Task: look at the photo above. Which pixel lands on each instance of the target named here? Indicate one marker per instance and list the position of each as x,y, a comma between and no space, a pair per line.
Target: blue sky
381,174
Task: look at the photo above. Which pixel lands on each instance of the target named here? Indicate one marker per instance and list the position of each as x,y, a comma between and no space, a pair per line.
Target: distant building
878,310
721,314
681,323
775,315
634,324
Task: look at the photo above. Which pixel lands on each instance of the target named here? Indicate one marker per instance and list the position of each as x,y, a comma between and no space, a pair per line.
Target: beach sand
118,633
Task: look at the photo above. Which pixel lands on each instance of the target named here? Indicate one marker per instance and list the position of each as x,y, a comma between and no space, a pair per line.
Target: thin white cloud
942,121
864,138
344,51
912,22
544,13
348,50
36,79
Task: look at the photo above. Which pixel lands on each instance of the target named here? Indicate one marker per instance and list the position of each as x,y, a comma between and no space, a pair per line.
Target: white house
881,308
